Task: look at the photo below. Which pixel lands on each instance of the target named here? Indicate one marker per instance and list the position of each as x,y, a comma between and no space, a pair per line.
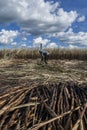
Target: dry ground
27,104
16,72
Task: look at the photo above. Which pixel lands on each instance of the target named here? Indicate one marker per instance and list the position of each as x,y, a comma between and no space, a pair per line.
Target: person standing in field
44,55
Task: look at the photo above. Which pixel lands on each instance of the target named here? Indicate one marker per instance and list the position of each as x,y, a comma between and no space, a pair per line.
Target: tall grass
79,54
69,54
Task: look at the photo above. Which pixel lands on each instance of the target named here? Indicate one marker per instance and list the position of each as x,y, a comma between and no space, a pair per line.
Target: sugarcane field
43,64
39,96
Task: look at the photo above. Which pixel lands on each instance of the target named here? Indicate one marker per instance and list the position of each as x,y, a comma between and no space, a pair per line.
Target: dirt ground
21,72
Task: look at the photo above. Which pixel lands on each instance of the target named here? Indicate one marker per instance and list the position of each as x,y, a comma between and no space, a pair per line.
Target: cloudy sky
54,23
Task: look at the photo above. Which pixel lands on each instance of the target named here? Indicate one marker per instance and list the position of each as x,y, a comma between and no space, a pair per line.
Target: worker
44,54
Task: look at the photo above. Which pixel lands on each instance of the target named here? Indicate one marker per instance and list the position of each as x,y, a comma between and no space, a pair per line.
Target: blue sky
54,23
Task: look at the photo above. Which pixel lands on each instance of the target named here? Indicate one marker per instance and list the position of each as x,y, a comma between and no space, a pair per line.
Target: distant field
70,54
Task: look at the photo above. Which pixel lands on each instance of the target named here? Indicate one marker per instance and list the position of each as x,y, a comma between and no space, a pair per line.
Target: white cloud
52,45
37,17
24,38
7,37
73,38
73,47
45,43
81,19
37,41
14,43
23,45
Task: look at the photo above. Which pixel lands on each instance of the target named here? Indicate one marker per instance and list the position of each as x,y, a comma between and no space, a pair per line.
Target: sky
54,23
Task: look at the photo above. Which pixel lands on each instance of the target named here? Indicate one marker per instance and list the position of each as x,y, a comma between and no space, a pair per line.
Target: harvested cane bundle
61,106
